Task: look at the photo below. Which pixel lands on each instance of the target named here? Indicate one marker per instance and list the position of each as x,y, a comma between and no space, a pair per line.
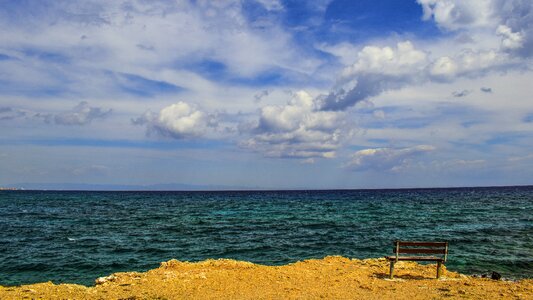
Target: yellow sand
333,277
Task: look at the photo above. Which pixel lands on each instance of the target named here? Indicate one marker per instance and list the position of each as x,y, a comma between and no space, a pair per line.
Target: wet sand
333,277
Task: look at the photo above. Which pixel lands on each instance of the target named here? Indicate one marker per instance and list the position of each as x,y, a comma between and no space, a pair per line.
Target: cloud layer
270,80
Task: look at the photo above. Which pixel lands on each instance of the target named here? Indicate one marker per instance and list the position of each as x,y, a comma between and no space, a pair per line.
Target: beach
333,277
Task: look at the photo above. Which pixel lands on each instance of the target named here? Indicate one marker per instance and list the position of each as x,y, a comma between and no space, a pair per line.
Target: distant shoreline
262,189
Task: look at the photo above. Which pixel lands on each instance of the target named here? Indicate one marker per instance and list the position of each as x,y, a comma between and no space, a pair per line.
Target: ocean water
78,236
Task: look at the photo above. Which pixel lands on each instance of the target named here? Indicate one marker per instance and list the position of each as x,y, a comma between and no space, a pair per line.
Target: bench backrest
421,248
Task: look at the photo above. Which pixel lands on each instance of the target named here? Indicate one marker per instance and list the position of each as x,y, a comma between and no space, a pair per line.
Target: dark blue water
78,236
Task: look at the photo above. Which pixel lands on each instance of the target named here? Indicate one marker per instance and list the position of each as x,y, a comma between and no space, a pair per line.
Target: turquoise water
78,236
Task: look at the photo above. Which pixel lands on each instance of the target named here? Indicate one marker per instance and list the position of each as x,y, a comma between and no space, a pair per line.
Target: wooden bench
417,248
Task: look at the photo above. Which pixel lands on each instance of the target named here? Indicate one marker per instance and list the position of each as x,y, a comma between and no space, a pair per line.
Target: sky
267,94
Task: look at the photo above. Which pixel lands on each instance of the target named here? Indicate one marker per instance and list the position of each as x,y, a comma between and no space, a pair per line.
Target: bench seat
419,251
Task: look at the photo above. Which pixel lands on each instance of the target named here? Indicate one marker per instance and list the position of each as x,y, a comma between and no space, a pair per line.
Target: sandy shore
329,278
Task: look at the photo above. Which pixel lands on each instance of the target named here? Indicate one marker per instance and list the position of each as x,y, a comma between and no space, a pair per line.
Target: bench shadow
381,275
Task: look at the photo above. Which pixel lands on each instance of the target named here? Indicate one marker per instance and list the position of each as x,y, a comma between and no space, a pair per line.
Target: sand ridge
332,277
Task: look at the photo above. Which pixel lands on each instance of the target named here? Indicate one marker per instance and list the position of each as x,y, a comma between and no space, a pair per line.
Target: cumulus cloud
510,40
386,159
443,67
296,130
375,71
467,63
399,61
180,120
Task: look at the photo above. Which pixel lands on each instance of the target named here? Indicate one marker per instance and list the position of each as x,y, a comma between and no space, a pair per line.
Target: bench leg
392,262
439,264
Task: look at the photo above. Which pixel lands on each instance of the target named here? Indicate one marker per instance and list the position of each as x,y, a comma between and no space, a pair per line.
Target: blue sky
267,94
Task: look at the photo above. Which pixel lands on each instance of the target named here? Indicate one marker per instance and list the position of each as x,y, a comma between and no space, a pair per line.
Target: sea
77,236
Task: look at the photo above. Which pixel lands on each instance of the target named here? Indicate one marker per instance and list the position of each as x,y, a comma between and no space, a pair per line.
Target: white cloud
386,159
180,120
444,67
404,59
510,40
296,130
469,62
375,71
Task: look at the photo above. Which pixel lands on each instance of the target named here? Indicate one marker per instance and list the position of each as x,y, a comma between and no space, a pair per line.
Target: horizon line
269,190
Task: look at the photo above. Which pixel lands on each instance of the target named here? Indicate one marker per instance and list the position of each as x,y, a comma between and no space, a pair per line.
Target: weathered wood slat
422,244
420,250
